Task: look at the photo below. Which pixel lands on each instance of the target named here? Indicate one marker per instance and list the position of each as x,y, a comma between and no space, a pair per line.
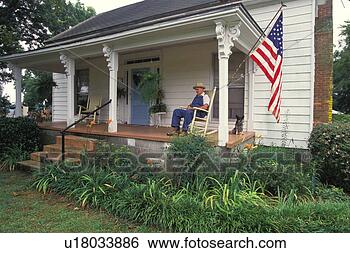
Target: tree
341,90
27,24
38,88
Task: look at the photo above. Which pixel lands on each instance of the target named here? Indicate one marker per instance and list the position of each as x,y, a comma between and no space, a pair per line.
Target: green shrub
19,132
281,170
331,194
198,155
330,148
341,118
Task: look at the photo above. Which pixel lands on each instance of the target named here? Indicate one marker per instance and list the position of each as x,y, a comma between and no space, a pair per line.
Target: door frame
128,68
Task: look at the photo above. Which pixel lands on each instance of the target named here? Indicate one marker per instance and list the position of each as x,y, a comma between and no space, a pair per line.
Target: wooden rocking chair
93,103
200,125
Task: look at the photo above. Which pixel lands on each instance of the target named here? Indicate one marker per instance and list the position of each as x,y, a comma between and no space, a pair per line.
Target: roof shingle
130,15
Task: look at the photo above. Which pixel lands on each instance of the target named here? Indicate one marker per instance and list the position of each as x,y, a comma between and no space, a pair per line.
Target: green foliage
341,118
330,148
23,210
4,105
331,194
11,156
150,87
27,24
19,132
233,204
37,88
280,170
151,92
198,155
341,76
157,108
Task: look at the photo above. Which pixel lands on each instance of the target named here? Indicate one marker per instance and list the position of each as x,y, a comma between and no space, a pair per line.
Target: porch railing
64,131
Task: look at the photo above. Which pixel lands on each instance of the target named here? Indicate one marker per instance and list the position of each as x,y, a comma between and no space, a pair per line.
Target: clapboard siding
297,71
59,97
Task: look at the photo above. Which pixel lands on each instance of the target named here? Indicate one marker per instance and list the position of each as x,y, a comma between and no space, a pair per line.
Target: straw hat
199,85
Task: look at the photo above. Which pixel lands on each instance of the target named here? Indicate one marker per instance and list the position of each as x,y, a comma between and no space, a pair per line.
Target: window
81,87
236,88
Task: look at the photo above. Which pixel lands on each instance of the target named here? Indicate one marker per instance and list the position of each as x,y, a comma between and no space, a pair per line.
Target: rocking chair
93,103
200,125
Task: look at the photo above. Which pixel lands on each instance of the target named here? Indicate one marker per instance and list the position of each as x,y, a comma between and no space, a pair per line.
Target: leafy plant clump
11,156
232,204
330,148
198,156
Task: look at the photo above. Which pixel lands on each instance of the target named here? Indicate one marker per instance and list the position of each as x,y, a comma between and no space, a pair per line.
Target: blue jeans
178,114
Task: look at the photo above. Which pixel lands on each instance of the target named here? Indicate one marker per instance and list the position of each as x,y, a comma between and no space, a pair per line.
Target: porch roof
138,15
176,23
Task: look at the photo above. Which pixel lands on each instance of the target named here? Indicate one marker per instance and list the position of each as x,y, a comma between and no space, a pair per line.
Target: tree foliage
27,24
341,93
38,87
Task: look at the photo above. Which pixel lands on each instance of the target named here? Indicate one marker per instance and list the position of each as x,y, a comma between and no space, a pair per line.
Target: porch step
77,142
55,149
45,155
74,147
28,165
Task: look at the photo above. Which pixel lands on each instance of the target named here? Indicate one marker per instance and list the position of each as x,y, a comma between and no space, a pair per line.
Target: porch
206,47
130,134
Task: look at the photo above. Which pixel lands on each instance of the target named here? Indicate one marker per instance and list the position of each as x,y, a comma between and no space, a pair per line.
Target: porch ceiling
193,28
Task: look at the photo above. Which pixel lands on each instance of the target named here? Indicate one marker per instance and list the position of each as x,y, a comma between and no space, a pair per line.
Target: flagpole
258,40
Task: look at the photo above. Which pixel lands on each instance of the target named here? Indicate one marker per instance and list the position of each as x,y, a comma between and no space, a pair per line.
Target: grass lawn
25,210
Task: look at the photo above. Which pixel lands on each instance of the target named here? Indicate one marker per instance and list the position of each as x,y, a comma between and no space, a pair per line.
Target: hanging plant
151,92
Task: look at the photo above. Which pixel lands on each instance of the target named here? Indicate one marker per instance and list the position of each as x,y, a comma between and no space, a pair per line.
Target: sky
341,9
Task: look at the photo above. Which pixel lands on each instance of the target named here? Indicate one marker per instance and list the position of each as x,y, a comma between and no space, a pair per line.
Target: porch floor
137,132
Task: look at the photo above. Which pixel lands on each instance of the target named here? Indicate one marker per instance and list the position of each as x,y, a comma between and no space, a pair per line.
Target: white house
191,41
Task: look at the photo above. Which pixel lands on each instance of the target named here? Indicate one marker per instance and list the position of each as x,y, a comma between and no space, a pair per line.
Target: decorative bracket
67,63
226,35
107,53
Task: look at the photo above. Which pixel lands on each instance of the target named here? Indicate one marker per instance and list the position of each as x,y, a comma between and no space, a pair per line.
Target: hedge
19,132
330,147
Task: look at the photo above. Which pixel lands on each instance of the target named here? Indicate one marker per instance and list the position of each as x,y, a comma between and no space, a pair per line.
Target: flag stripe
269,57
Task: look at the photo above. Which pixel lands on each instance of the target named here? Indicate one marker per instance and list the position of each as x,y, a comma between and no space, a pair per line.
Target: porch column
112,63
226,35
69,67
17,75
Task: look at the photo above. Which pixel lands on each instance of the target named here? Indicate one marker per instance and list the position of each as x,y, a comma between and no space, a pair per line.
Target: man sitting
201,100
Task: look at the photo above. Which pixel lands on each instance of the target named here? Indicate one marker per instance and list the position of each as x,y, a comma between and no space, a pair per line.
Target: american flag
269,57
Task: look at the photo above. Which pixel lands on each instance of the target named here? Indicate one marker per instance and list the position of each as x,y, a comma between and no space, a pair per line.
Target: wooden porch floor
137,132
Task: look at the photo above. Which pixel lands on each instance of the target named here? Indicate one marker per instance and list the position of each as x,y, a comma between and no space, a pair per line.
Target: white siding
182,67
298,71
59,98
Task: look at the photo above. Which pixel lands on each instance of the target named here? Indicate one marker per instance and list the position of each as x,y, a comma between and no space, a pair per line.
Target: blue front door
139,109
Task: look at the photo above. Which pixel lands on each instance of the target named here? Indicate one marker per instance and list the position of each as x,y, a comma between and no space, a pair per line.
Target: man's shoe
173,133
184,133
